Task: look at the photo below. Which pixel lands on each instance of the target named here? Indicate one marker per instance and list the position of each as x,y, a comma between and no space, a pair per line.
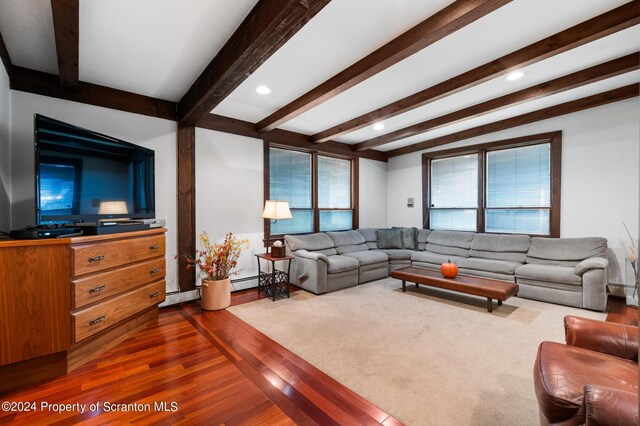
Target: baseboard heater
239,284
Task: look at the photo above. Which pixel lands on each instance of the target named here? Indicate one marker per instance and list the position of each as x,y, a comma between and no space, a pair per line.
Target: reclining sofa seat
568,271
316,265
495,256
442,246
373,264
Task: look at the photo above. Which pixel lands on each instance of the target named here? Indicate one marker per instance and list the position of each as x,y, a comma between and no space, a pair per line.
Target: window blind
519,190
454,193
290,180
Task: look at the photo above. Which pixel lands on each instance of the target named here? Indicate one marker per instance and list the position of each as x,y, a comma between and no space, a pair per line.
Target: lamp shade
276,209
113,207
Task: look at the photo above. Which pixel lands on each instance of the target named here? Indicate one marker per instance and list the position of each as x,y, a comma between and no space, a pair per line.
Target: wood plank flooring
216,369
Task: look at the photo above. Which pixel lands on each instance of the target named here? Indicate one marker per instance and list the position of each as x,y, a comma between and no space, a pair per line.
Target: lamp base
277,251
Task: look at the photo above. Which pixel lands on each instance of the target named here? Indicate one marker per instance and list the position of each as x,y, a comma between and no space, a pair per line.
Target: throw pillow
389,238
409,237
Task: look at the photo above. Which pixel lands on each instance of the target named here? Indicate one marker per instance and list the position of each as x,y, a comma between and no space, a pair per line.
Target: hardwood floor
618,311
216,369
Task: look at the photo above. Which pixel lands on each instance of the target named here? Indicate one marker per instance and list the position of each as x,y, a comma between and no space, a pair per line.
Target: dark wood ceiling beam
615,95
269,25
447,21
283,137
4,55
603,25
571,81
66,21
40,83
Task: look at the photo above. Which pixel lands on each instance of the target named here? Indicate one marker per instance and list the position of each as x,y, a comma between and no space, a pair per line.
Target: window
454,193
519,192
334,194
319,188
290,180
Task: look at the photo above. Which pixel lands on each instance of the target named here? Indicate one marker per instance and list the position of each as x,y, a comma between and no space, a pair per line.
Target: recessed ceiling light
378,126
263,90
515,75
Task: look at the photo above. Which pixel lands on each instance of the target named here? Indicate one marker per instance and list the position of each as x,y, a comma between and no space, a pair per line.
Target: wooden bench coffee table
478,286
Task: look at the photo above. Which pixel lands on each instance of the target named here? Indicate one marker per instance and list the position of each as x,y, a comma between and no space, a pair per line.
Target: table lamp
275,210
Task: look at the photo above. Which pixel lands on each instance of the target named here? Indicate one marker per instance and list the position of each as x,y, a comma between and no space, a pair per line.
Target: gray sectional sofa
568,271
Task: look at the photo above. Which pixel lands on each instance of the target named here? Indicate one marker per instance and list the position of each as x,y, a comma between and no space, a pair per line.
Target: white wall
229,194
373,193
600,174
5,151
154,133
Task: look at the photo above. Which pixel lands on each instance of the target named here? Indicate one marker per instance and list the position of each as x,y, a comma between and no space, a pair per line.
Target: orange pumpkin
449,269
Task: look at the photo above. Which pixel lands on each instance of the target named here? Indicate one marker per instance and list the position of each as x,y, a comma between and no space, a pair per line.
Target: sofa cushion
389,238
421,238
512,248
369,257
398,254
454,243
340,263
447,250
435,258
458,239
311,242
348,241
565,251
352,248
409,240
489,265
369,234
549,273
345,238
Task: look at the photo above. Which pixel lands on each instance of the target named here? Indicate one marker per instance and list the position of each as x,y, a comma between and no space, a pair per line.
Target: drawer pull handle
96,259
98,320
154,295
154,247
154,271
97,289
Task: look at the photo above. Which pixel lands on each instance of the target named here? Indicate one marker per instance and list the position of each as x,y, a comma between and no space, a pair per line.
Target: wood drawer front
97,287
94,319
100,256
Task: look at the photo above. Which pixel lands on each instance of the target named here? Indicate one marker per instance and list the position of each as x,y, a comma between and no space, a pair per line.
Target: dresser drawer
102,285
104,255
96,318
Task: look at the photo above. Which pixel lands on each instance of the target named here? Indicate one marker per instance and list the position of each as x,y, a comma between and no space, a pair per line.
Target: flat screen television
84,176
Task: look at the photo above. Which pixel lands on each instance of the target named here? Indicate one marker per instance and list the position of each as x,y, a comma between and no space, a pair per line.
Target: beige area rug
427,357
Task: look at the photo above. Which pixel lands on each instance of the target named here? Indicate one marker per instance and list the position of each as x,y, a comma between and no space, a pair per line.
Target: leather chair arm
606,337
607,406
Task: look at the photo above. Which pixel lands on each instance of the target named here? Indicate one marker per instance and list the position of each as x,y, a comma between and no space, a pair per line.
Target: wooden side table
275,283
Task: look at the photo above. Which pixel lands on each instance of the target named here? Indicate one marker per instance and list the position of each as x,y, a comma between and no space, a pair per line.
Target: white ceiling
159,47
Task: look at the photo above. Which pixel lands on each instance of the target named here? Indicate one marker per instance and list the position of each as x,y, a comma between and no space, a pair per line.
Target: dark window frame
268,238
552,138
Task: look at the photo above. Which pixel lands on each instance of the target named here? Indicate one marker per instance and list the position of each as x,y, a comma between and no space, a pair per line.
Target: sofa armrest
606,337
591,263
311,255
607,406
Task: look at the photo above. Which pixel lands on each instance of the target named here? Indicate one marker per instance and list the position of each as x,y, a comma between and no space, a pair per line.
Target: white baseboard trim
631,301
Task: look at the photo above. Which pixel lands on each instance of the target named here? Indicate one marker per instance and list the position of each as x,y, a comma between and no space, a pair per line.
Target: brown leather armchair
593,379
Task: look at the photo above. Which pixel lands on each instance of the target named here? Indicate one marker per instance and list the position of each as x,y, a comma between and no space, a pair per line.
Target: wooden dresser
62,302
